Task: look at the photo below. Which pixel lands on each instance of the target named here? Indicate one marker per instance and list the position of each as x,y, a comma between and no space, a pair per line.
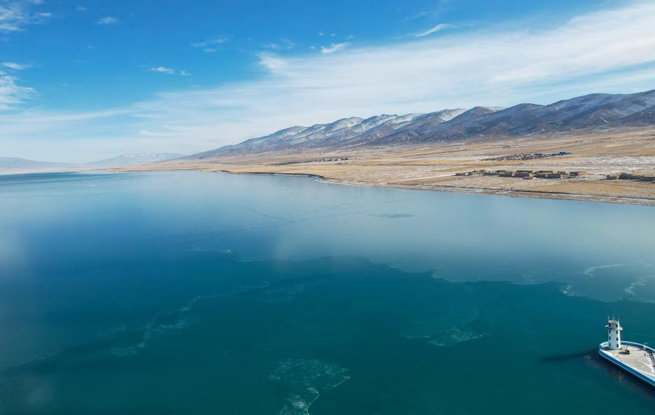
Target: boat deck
634,356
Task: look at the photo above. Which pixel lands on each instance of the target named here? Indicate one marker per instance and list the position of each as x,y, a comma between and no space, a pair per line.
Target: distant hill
16,163
134,159
589,112
20,164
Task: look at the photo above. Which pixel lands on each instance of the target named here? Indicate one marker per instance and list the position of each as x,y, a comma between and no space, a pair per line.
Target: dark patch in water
567,357
109,364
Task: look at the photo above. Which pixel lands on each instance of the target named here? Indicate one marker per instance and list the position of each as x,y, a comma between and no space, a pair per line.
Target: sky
91,79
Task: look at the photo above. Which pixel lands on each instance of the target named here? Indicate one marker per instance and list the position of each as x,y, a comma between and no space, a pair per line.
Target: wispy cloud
12,94
434,29
418,15
609,50
107,20
15,66
282,44
434,12
210,45
334,47
169,71
163,69
15,15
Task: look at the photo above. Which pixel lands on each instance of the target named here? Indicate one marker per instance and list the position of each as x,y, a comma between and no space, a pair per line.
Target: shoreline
607,167
473,190
532,194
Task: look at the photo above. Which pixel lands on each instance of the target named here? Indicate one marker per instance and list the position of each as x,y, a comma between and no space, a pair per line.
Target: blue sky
81,80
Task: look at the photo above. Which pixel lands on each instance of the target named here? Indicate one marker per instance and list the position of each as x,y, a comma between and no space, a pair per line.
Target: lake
210,293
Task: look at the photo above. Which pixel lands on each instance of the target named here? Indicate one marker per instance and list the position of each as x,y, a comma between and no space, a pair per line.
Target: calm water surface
192,293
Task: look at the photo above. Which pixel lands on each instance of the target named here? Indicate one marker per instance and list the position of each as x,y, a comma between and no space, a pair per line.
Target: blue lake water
206,293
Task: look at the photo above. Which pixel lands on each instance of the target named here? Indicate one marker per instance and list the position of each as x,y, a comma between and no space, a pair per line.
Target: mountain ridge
588,112
133,159
18,163
122,160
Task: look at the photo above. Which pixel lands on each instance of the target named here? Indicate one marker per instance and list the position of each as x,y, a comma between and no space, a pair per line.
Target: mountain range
129,159
593,112
134,159
17,163
589,112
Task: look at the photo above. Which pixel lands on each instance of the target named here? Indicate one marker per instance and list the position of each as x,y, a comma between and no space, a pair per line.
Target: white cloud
611,50
65,131
15,66
107,20
434,12
283,44
16,14
81,9
169,71
163,69
434,29
210,45
12,94
334,47
419,15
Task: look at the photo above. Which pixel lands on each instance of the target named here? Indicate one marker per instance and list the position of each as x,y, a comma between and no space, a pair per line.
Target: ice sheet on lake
306,378
454,336
612,282
172,321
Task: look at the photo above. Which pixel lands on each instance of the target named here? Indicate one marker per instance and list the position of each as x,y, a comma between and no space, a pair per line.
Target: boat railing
648,351
639,345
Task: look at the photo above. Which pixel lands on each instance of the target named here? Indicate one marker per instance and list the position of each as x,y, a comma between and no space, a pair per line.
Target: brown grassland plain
433,166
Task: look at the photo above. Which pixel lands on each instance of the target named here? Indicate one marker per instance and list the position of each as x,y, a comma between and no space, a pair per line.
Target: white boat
634,358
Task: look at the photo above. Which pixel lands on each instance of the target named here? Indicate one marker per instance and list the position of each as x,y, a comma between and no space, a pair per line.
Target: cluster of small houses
324,160
528,156
524,174
630,176
550,174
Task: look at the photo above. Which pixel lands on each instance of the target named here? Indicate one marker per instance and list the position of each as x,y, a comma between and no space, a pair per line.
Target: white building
614,334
